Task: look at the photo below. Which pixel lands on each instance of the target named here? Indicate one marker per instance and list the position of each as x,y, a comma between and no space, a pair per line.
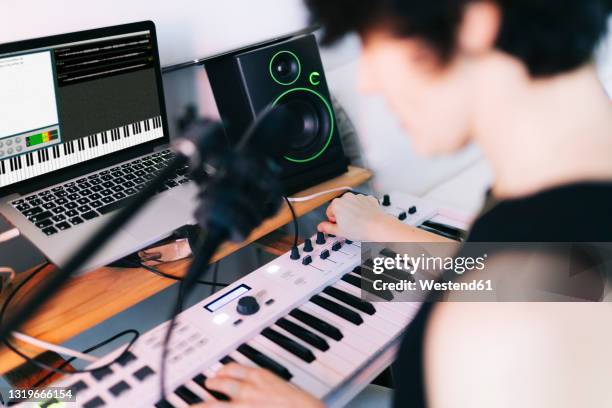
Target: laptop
82,128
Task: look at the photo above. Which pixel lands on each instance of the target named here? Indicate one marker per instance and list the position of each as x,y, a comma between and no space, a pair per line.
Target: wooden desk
90,299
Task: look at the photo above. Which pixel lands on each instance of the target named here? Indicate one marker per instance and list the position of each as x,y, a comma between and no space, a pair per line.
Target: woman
516,78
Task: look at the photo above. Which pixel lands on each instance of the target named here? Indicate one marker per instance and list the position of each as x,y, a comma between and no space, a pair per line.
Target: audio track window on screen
28,106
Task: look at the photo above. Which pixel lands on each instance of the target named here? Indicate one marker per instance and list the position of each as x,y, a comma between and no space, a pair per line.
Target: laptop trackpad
159,218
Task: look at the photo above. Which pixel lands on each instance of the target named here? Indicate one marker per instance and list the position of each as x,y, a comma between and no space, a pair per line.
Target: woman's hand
356,217
254,388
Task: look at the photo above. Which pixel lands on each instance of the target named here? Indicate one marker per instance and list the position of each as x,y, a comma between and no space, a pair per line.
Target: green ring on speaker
299,68
331,126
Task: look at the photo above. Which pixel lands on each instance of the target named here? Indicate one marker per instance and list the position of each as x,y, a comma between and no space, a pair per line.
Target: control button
324,254
402,216
102,372
9,142
1,144
94,403
307,260
18,149
126,358
336,246
295,253
1,153
247,305
307,245
386,200
9,150
412,210
144,372
269,302
18,139
119,388
320,238
78,387
348,242
237,322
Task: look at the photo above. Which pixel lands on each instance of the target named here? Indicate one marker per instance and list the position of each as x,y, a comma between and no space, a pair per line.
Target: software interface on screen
68,103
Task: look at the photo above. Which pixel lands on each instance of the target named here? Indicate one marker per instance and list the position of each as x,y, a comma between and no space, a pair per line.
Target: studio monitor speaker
288,73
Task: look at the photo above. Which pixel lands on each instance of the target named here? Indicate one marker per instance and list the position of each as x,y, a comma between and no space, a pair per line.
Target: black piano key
339,310
264,361
226,360
187,395
163,404
2,167
290,345
317,324
303,334
126,131
367,286
146,125
200,379
350,300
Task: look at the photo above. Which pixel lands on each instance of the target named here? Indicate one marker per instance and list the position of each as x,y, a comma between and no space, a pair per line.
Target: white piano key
312,380
373,321
363,340
343,365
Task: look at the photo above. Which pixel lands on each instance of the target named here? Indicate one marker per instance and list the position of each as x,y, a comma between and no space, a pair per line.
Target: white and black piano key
337,309
376,322
349,349
300,351
200,380
264,361
338,356
351,300
318,324
314,379
359,337
357,282
303,333
187,395
398,311
323,372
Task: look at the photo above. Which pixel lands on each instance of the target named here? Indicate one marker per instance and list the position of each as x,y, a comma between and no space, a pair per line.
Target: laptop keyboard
76,202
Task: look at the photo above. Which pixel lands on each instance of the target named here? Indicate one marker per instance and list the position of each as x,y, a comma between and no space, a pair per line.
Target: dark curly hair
549,36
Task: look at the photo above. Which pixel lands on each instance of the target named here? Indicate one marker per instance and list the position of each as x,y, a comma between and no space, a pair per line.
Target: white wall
187,29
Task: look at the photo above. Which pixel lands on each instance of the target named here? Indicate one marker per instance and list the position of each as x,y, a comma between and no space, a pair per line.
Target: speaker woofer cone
315,115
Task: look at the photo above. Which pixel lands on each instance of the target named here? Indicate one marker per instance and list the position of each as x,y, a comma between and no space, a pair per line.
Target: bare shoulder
519,354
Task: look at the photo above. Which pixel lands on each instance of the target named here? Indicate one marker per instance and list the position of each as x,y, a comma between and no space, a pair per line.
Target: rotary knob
386,201
247,305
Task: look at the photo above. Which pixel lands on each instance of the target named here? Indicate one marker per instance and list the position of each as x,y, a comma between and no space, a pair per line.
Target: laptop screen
67,103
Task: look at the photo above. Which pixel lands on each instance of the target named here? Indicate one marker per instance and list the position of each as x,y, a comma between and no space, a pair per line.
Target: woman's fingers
328,228
233,388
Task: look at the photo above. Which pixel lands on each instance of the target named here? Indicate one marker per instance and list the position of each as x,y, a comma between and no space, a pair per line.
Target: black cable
173,277
295,222
59,369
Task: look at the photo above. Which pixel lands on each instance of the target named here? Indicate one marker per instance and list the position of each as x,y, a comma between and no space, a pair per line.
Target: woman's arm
509,355
361,218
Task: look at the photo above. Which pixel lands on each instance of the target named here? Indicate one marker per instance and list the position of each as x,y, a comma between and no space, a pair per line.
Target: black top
573,213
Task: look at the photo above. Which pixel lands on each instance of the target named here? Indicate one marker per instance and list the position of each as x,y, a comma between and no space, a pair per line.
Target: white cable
313,196
54,347
8,235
